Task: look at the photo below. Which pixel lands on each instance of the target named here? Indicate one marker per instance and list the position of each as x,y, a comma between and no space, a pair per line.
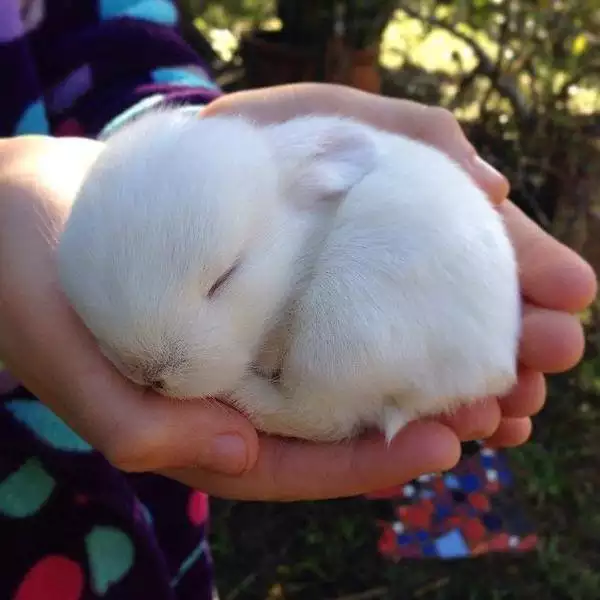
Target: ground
327,550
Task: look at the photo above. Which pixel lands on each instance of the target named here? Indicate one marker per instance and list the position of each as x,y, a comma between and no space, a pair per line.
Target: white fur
169,206
374,273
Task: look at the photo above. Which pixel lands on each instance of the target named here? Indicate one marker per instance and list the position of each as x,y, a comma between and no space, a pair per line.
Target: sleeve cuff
138,109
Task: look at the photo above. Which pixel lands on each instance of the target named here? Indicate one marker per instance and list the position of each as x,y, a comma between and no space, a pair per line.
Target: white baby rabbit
365,269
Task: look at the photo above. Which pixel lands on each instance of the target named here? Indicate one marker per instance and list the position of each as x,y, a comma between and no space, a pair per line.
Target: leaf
580,44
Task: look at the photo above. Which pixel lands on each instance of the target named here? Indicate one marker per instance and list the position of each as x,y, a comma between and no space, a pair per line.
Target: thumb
157,433
46,346
136,430
140,431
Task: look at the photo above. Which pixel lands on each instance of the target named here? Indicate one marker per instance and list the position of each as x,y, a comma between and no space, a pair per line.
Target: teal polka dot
182,76
33,120
110,553
157,11
24,492
47,426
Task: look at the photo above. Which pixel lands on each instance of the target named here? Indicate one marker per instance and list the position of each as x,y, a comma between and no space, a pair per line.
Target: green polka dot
24,492
110,554
46,425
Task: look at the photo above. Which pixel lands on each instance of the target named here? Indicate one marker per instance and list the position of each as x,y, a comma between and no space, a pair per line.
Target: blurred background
523,77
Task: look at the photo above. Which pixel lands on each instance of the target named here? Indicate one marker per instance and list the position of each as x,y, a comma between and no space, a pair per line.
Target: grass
327,550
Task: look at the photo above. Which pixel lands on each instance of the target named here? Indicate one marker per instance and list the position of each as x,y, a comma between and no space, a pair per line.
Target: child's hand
44,345
555,281
50,351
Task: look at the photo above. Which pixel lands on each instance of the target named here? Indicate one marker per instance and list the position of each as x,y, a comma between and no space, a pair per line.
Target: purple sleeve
70,68
72,526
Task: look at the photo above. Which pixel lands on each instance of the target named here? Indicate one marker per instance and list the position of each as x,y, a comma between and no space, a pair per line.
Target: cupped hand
555,282
208,445
45,345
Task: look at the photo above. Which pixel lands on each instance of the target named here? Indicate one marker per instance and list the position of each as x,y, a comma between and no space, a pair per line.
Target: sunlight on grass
545,480
589,375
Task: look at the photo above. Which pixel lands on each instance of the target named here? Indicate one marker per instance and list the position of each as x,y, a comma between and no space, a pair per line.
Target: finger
511,433
140,432
551,341
293,470
433,125
527,398
551,274
474,421
440,128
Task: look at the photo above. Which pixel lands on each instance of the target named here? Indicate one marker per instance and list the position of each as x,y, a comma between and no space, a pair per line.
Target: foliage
222,23
225,14
304,21
531,52
526,76
360,22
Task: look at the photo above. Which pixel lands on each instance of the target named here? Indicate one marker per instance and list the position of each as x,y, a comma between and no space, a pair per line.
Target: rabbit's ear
324,157
344,156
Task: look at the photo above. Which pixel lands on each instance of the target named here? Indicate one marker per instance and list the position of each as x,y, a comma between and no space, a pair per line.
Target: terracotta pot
364,71
353,67
269,60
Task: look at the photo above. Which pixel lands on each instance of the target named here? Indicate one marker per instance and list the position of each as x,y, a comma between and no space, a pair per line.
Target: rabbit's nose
157,384
154,380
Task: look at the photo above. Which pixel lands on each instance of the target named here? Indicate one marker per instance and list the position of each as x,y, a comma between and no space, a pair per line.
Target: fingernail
229,454
490,179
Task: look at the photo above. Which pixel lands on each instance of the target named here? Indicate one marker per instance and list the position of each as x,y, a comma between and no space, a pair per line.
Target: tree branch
487,67
464,86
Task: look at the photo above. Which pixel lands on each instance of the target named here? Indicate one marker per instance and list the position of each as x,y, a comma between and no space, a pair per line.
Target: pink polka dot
52,578
197,508
70,127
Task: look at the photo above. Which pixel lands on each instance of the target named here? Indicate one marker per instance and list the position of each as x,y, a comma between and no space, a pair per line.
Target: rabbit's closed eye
222,280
